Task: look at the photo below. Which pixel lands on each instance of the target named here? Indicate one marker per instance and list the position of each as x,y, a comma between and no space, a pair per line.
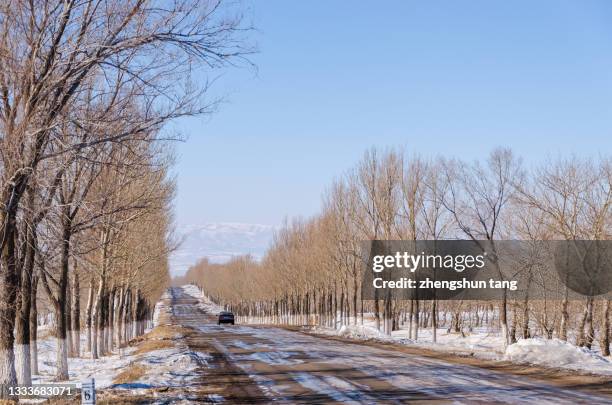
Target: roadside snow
480,343
558,354
205,304
161,308
488,345
174,367
103,369
171,367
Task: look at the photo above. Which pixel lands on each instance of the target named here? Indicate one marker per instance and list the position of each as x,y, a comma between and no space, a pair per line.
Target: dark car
226,317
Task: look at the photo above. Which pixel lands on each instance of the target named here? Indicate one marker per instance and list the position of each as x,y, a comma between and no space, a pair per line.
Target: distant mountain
219,242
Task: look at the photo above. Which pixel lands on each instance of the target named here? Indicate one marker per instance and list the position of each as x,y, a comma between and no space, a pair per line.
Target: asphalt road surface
255,364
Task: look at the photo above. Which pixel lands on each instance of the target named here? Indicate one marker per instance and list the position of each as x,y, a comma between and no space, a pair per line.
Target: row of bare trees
312,273
86,88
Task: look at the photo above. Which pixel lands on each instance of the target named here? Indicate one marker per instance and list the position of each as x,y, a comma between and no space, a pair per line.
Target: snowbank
173,367
480,343
359,332
557,354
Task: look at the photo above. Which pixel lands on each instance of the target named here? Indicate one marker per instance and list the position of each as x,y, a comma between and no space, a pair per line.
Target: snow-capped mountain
219,242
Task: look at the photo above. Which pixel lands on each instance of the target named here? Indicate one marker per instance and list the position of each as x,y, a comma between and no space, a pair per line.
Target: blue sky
334,78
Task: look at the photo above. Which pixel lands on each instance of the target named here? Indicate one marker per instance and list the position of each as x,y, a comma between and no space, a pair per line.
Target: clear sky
436,77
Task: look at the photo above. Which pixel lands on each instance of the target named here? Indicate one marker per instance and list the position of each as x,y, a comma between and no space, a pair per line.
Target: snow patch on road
557,354
247,346
272,358
335,388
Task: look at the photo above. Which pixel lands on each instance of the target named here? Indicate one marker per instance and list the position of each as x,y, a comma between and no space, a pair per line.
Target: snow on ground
173,367
479,343
161,308
559,354
167,367
485,344
103,369
205,304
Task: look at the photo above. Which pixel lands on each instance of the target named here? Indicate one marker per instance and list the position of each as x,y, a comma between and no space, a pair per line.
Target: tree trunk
22,327
76,314
68,315
581,338
415,329
60,308
61,373
111,319
503,318
589,328
34,327
526,333
564,317
95,322
512,332
434,319
8,290
88,313
605,330
355,301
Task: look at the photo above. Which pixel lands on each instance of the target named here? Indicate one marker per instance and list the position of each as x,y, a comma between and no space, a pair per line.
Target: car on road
226,317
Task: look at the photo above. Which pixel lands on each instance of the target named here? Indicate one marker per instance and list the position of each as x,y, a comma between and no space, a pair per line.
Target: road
253,364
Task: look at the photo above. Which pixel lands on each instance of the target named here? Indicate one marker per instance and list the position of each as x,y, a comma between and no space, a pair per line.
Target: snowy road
276,365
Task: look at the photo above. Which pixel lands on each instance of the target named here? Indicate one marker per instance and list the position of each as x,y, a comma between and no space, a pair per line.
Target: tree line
312,272
86,90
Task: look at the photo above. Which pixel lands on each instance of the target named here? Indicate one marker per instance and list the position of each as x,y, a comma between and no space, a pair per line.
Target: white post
88,392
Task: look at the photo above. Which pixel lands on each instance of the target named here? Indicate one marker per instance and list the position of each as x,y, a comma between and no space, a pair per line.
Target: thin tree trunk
434,319
605,330
34,327
95,323
589,328
88,313
564,317
68,315
76,313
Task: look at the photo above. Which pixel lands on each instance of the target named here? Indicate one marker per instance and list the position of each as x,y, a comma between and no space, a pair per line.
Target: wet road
273,365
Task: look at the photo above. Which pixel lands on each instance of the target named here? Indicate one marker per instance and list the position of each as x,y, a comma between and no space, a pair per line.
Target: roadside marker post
88,392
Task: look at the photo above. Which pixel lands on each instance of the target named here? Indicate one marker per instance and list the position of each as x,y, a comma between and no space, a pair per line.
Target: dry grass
151,345
75,399
132,373
163,332
162,337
